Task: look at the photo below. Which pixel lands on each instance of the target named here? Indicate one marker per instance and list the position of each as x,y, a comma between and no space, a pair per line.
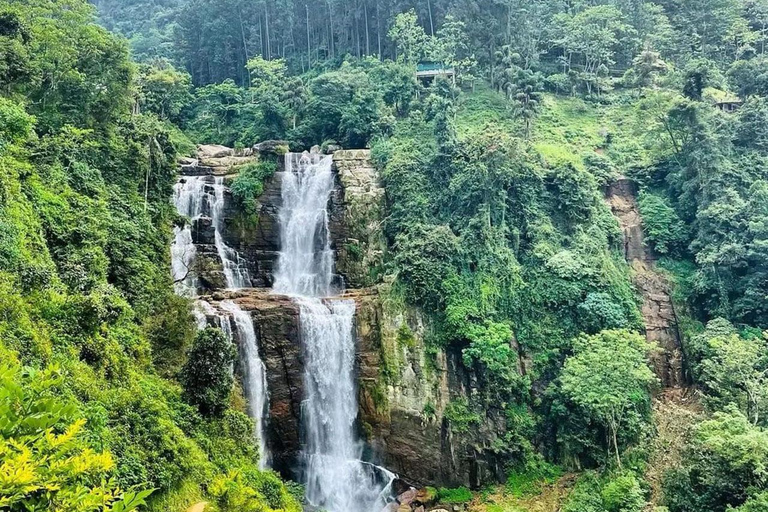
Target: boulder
407,497
332,148
420,508
214,151
404,508
275,147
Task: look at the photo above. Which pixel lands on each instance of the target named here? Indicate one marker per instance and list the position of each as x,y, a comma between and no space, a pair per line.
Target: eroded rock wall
657,309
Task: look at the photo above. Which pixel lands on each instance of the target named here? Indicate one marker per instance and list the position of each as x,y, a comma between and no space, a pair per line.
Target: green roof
430,66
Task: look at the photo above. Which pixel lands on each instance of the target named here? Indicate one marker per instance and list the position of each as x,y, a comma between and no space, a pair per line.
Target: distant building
428,71
729,106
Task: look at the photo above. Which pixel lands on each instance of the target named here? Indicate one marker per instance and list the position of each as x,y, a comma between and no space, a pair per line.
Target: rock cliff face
657,309
403,387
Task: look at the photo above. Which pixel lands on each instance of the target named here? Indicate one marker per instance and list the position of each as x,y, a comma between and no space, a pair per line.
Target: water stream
196,197
254,375
336,478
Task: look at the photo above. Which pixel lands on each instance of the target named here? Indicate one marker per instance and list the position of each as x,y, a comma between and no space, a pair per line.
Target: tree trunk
431,24
367,37
266,25
309,41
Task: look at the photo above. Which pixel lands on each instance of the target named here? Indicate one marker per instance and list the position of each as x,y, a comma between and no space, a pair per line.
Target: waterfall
235,272
336,479
254,374
305,261
196,197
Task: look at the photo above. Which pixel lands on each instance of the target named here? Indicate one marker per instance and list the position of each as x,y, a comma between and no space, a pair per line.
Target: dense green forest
496,227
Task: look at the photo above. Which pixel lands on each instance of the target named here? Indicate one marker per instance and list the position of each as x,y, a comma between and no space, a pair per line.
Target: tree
731,368
723,467
451,49
528,96
607,377
749,77
163,90
207,375
413,44
594,34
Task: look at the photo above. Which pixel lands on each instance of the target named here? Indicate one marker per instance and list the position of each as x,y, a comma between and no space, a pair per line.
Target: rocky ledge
422,500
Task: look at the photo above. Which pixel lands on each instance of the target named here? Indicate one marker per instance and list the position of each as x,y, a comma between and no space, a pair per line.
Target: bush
454,496
623,494
248,186
207,375
599,312
46,452
663,228
459,415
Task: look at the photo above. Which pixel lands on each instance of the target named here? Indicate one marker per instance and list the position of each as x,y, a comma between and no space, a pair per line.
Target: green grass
454,496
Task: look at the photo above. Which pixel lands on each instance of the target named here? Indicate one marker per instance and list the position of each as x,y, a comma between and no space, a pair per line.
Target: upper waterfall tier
305,261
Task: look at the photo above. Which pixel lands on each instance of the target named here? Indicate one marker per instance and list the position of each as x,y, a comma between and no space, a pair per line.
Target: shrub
45,449
249,184
664,230
623,494
460,416
599,311
207,375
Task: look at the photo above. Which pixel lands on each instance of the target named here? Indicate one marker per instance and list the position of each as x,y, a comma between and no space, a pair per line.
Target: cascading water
196,197
235,272
336,479
254,374
305,261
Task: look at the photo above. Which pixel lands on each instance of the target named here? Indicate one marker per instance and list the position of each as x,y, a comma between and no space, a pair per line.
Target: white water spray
196,197
254,375
336,479
305,261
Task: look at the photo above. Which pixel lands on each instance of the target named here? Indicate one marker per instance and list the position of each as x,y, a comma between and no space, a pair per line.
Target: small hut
428,71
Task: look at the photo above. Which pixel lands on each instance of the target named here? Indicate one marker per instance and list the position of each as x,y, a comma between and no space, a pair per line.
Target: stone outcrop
356,218
276,323
657,310
215,160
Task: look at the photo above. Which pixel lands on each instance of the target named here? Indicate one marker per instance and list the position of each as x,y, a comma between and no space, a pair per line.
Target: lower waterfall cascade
336,478
254,374
196,197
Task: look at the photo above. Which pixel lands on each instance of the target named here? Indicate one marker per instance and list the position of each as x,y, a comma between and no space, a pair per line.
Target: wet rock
657,310
404,508
203,231
276,324
332,148
420,508
407,497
